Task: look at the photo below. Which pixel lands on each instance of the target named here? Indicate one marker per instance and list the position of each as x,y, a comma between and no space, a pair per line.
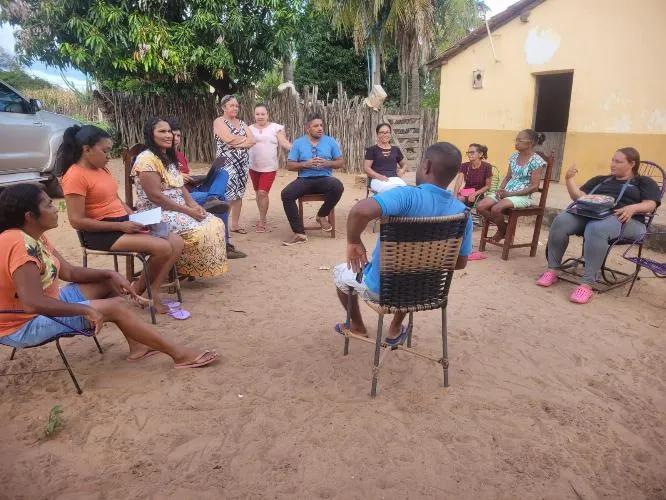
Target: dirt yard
547,399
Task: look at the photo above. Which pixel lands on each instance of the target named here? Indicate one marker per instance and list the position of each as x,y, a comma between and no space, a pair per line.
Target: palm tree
414,26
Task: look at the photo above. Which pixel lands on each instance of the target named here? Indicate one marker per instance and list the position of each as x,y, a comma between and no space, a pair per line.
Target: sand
547,399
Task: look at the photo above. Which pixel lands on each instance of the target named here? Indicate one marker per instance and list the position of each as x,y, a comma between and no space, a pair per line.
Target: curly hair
15,202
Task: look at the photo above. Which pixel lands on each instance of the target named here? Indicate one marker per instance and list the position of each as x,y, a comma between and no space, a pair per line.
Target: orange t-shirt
16,249
98,187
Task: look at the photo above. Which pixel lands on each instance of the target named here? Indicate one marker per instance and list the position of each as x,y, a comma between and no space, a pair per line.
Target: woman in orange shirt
100,216
30,270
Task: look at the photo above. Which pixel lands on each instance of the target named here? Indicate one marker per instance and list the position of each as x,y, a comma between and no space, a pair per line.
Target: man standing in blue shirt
428,199
313,156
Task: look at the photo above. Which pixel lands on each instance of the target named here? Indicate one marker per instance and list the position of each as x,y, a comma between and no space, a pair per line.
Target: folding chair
418,257
513,214
657,268
73,333
609,278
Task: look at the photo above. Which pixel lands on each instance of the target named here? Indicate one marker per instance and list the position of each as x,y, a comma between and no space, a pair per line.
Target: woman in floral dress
233,140
159,183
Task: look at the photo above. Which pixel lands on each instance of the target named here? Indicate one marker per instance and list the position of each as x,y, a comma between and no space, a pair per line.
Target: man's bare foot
296,239
325,225
497,237
356,330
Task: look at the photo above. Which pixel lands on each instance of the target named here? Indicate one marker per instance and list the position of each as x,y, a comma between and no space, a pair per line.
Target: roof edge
495,22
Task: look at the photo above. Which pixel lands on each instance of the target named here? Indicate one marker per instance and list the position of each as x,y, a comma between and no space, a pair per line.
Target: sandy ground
547,399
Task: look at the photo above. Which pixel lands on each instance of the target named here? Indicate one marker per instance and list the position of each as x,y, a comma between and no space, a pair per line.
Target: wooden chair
514,214
610,278
313,198
73,333
418,257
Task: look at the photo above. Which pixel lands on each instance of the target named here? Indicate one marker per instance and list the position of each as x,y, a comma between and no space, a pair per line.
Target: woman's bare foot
193,358
139,353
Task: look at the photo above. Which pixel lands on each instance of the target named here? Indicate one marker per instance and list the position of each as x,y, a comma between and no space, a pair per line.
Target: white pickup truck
29,140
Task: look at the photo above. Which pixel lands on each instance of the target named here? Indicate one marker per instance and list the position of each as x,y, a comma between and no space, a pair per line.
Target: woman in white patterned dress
159,183
233,139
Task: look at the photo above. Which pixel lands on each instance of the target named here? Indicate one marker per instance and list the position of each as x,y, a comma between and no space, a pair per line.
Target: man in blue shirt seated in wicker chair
428,199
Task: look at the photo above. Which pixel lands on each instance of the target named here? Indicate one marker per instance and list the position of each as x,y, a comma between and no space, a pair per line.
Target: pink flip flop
201,360
477,256
547,279
581,295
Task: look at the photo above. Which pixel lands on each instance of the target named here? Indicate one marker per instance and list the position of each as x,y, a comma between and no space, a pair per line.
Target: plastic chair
418,257
75,332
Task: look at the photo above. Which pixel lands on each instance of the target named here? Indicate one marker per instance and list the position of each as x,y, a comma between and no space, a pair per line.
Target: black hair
173,123
149,141
261,105
15,202
445,159
633,156
537,138
481,149
378,127
314,115
73,140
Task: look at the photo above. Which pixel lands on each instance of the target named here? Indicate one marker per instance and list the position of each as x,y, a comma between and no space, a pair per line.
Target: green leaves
227,43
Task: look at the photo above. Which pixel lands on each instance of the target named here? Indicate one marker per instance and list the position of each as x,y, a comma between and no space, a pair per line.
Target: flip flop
200,360
240,230
477,256
399,340
179,314
171,304
340,326
260,229
145,355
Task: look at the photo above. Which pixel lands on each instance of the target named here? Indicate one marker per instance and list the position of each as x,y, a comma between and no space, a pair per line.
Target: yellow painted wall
616,50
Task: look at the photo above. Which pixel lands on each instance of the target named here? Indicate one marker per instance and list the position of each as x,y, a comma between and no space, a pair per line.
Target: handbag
597,206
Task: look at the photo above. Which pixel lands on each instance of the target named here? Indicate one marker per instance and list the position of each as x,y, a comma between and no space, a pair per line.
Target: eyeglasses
471,153
518,139
384,131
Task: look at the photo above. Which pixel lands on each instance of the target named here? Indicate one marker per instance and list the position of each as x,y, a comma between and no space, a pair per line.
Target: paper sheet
148,217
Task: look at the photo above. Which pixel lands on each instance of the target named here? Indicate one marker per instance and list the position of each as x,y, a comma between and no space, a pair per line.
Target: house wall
616,51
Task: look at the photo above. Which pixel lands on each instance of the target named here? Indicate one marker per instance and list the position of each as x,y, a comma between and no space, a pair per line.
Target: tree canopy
154,44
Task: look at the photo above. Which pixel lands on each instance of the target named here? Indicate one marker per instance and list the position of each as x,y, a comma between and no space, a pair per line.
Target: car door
24,139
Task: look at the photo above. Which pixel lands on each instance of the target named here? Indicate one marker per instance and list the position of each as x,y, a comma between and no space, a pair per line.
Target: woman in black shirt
384,164
641,196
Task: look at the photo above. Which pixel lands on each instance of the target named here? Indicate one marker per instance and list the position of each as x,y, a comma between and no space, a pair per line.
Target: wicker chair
74,333
418,257
609,278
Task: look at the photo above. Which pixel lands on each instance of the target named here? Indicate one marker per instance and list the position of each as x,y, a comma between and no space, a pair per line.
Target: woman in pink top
264,158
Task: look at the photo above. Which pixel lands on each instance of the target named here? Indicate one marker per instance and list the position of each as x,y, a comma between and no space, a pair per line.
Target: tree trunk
404,91
288,67
376,66
415,91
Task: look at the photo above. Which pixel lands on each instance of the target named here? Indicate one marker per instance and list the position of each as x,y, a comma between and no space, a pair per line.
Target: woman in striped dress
233,139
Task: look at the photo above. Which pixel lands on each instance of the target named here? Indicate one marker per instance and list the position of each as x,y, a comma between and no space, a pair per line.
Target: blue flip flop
339,330
400,339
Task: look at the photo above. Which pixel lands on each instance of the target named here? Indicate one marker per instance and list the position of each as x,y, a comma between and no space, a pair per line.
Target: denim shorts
41,328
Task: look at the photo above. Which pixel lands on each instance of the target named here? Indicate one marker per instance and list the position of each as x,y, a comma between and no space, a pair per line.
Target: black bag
597,206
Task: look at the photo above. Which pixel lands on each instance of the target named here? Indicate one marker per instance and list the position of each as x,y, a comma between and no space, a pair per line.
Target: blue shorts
41,328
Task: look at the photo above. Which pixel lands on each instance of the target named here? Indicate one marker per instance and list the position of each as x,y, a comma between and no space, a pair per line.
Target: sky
77,78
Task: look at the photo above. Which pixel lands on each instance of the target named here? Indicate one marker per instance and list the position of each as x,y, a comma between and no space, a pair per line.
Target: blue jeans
216,189
42,328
